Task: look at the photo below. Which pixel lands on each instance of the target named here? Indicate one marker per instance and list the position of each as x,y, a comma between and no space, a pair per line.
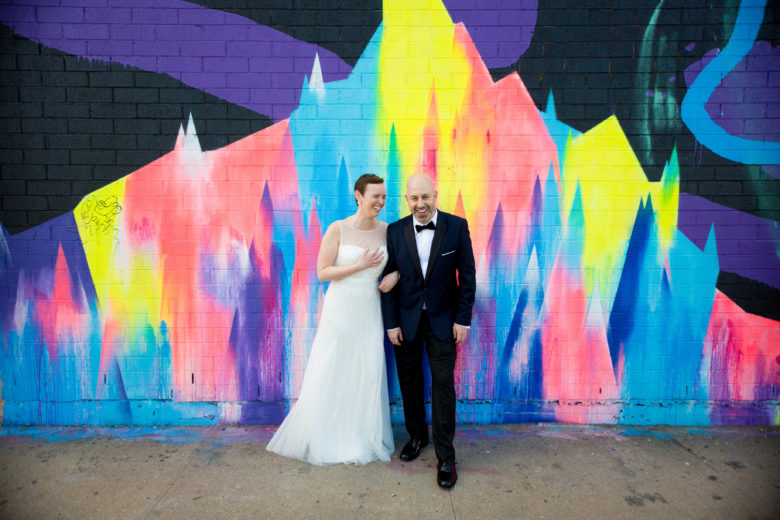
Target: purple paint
113,15
692,70
772,169
742,102
33,254
131,32
747,245
137,32
501,29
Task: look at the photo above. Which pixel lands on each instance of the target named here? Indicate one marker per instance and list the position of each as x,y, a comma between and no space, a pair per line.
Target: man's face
421,198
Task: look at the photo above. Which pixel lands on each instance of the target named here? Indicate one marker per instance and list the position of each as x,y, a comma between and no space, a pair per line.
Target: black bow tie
429,225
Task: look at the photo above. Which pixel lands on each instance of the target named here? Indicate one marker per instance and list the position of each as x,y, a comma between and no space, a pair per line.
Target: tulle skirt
342,414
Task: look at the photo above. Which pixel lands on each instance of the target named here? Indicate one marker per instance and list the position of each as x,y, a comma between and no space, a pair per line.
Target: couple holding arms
428,282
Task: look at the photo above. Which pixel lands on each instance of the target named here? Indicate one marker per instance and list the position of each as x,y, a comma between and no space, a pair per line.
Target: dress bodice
354,241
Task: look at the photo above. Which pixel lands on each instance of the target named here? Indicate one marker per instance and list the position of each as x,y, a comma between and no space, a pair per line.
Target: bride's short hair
366,179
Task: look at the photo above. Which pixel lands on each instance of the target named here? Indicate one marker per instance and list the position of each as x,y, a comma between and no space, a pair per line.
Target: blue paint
559,131
573,244
326,136
506,389
621,319
669,315
693,109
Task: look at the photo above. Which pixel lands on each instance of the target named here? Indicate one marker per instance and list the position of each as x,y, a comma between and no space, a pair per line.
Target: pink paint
518,151
741,349
576,362
62,320
207,204
305,303
431,140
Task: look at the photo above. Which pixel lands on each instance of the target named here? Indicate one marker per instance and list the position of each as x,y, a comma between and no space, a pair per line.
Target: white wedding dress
342,414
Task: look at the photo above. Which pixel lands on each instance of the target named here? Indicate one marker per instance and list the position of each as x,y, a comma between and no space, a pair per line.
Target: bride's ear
358,196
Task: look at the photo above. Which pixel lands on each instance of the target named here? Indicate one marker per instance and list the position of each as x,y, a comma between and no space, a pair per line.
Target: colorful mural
186,293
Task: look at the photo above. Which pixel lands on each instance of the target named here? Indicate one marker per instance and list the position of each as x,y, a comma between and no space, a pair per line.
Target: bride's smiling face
373,200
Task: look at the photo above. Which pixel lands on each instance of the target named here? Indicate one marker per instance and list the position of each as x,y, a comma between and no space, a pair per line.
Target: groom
429,308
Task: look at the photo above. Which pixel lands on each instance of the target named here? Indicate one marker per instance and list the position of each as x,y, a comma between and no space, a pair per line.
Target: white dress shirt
424,241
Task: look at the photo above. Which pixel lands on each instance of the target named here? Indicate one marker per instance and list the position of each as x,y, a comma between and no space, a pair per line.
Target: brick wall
96,91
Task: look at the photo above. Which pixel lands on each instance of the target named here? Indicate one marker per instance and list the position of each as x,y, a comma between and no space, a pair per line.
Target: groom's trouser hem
441,360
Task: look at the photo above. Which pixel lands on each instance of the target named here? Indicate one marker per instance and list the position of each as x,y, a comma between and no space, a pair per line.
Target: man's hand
459,332
396,337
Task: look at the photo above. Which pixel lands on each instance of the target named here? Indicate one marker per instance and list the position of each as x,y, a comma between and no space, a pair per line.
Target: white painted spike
179,139
191,142
316,83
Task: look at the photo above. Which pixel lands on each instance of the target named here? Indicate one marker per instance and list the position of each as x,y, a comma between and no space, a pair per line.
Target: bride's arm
389,281
329,249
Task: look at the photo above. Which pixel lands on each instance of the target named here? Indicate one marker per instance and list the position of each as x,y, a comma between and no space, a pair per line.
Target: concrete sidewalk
505,471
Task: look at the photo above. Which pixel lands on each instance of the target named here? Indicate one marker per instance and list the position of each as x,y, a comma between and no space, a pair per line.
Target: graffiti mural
186,293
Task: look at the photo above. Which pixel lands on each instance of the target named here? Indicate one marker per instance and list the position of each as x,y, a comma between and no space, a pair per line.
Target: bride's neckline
363,230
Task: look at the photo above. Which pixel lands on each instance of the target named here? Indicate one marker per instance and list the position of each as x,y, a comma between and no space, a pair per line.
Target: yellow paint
98,226
666,201
613,184
128,279
465,163
137,288
419,60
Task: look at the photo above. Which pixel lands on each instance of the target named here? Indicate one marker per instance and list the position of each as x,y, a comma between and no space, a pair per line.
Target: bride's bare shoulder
335,226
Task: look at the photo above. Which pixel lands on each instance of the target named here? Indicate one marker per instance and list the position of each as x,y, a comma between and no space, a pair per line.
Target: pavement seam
201,445
452,503
705,462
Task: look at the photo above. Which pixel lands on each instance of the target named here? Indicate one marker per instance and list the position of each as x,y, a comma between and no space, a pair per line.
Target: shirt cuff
464,326
391,330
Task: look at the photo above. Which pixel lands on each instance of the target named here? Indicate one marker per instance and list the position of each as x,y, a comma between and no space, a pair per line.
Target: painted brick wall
167,169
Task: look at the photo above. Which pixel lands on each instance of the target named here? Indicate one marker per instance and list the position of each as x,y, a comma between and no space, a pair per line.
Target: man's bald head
420,181
421,196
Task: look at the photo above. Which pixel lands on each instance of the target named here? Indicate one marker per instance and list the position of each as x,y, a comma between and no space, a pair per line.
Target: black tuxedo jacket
449,286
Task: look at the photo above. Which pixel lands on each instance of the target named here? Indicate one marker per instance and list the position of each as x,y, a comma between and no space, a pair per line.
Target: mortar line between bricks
705,462
452,503
201,444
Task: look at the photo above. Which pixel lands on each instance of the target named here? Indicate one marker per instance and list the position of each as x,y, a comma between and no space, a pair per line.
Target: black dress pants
441,359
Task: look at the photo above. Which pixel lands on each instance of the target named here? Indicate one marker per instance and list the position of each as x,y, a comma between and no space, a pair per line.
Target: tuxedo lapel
411,243
438,238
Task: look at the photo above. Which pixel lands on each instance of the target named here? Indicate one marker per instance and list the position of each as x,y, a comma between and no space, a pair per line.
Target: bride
342,414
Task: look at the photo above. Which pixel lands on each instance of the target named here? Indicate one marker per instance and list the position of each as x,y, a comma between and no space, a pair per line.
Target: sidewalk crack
161,494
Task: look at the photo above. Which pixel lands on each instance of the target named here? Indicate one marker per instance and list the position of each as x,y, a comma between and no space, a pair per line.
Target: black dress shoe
412,449
446,476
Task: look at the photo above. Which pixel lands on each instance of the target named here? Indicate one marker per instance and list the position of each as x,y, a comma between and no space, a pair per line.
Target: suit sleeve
390,299
467,278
